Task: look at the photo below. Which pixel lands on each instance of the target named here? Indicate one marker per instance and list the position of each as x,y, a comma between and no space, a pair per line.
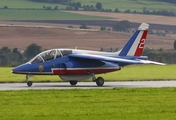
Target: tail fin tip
143,26
135,45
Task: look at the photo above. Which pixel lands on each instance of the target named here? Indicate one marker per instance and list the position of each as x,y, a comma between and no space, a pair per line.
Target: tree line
52,1
168,1
13,57
161,55
65,1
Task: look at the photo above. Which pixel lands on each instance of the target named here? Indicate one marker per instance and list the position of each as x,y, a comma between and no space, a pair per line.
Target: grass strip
98,104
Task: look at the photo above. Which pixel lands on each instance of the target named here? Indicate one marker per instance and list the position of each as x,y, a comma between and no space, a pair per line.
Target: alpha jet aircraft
74,65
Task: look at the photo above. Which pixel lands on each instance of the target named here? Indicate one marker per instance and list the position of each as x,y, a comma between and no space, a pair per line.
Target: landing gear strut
29,83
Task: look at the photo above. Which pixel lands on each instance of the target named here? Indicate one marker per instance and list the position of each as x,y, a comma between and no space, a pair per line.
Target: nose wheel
74,82
29,83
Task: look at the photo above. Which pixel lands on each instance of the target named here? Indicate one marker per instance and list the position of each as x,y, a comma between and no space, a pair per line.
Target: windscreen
46,56
66,52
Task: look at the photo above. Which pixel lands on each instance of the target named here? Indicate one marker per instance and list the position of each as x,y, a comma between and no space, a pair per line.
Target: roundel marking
41,68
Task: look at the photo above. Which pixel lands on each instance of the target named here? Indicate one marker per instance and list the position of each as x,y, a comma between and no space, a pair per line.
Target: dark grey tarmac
87,85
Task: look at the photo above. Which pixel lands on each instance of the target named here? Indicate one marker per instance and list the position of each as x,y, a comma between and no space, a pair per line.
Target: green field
10,14
92,104
122,5
27,4
129,73
16,11
132,5
16,8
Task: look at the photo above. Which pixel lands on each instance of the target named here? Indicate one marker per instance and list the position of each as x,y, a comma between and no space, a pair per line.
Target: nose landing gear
29,83
74,82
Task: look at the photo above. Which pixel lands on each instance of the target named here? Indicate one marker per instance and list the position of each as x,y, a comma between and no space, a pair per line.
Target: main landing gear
99,81
29,83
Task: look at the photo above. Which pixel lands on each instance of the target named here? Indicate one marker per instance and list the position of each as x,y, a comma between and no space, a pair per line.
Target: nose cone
21,69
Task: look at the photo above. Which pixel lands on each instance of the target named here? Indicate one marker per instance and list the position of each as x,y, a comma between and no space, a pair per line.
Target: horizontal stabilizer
151,62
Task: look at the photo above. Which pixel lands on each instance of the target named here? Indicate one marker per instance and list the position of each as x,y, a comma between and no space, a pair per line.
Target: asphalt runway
87,85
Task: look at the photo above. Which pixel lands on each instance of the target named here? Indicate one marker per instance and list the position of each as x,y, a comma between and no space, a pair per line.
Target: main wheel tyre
100,81
73,82
29,83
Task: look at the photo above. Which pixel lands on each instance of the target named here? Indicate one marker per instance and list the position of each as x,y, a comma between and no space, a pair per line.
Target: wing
119,61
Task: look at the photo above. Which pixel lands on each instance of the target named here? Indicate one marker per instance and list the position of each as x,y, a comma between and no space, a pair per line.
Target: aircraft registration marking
141,44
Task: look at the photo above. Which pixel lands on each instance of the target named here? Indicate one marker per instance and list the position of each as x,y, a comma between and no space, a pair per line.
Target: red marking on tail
140,47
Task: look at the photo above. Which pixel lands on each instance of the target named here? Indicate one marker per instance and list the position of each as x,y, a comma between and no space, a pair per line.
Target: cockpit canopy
50,55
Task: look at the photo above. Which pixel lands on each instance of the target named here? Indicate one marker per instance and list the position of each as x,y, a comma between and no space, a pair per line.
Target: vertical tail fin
135,45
